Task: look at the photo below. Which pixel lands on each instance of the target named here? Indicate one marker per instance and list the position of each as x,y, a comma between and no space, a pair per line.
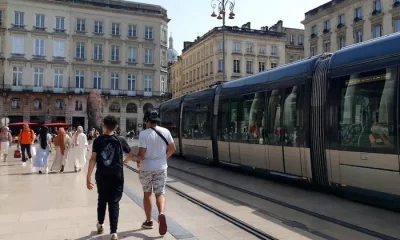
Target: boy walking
107,154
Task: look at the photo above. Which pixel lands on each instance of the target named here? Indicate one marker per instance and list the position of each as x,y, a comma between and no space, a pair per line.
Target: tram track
338,222
237,222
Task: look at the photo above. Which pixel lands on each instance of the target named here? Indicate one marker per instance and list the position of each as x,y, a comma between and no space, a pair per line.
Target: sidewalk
58,206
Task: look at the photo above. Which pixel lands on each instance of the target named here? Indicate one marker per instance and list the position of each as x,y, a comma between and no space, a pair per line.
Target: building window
206,69
358,13
236,47
148,56
98,27
220,65
274,65
313,50
98,51
59,104
115,53
300,40
377,6
249,67
148,83
163,85
60,24
261,66
131,82
17,76
114,81
78,106
16,103
59,48
148,32
79,79
19,20
37,104
249,48
397,25
327,26
327,46
97,80
291,40
211,67
262,49
314,29
40,22
131,108
58,78
18,45
163,59
38,77
377,31
163,35
341,41
358,36
1,18
341,19
274,51
39,47
80,50
80,25
132,54
115,29
220,46
132,31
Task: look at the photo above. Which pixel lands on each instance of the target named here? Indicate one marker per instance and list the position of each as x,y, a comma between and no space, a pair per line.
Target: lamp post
222,6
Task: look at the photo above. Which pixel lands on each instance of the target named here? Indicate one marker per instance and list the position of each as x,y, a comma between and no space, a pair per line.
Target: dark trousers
110,189
28,150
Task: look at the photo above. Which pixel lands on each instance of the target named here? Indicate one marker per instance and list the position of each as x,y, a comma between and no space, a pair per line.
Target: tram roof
288,71
375,49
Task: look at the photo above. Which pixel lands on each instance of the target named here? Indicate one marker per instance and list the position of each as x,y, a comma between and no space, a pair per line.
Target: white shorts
5,146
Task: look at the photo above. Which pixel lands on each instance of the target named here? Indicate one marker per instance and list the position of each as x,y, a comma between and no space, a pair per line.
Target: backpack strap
161,136
120,146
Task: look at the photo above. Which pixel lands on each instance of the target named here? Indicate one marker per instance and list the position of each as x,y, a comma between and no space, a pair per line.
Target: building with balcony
53,52
339,23
248,51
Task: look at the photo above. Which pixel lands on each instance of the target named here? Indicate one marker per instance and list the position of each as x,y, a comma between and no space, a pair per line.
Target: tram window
170,120
368,107
252,118
293,116
196,124
223,121
273,130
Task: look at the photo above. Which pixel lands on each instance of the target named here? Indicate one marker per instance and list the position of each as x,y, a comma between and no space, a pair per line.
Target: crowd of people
156,145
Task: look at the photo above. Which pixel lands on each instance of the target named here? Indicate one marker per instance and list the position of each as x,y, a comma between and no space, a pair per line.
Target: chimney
279,26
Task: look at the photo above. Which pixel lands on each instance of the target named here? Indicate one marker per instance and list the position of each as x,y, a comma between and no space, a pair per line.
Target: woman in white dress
79,148
43,152
62,144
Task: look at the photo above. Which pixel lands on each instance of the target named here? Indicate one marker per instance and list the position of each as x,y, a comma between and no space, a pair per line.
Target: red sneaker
162,222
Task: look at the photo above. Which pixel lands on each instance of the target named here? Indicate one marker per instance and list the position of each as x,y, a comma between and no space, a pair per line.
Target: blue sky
191,18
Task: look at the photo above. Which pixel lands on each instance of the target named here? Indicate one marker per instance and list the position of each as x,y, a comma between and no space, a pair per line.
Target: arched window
115,108
131,108
59,104
147,106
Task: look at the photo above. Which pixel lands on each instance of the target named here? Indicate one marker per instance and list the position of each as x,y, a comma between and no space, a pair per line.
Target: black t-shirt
109,158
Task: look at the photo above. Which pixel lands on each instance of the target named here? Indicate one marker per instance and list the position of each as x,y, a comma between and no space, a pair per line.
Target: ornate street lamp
222,7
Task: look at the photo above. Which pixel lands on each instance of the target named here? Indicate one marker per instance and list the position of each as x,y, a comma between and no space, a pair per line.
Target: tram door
228,146
285,117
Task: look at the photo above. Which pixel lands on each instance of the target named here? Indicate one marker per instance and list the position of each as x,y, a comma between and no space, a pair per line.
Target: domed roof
172,53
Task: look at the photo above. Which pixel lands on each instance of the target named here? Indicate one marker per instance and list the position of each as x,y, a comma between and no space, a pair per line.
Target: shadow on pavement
121,235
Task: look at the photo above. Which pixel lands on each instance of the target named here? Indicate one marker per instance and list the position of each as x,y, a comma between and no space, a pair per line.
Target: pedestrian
61,144
25,141
80,146
6,141
43,152
107,154
156,145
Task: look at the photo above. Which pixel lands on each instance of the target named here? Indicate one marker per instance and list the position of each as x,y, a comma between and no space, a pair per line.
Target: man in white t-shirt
155,147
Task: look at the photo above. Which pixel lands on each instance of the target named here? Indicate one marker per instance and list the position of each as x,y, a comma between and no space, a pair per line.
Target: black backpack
112,154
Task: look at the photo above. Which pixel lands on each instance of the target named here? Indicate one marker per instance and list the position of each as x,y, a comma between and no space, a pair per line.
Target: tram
331,120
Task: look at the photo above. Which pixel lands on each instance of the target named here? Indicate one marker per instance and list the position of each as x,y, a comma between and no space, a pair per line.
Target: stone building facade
176,78
54,52
340,23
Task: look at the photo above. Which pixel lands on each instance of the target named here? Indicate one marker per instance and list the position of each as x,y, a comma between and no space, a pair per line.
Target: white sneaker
100,228
47,170
24,164
114,236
